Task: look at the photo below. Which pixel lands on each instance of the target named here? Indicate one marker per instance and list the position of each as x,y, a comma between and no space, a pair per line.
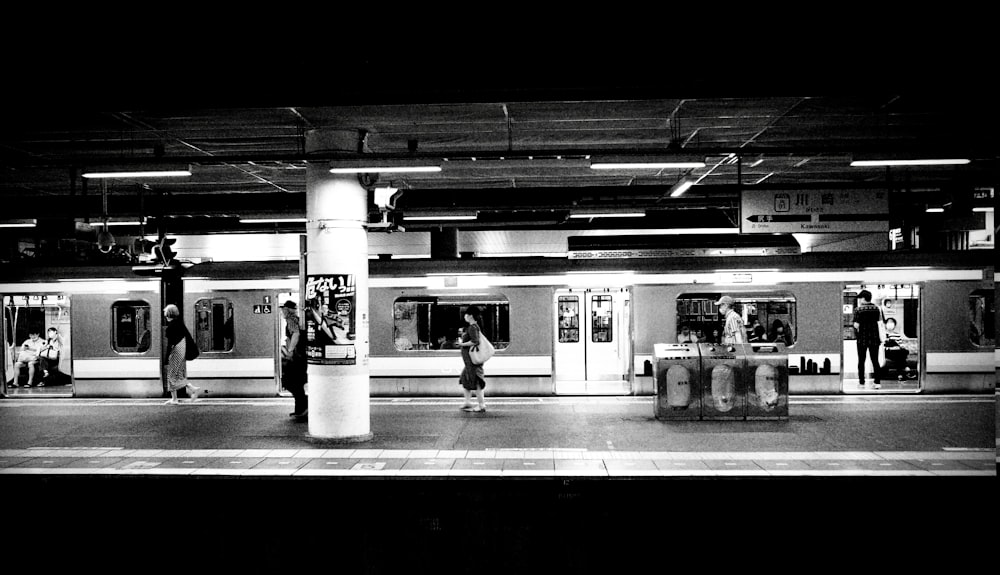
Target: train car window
768,316
569,319
602,318
982,314
130,326
213,324
437,323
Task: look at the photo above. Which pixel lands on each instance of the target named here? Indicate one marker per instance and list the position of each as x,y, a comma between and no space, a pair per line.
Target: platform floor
578,484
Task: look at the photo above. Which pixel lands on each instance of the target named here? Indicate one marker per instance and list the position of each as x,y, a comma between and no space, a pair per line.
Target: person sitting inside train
444,343
28,357
686,335
779,334
48,357
895,354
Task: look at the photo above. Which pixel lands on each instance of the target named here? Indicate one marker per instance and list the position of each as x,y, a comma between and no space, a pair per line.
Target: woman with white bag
476,349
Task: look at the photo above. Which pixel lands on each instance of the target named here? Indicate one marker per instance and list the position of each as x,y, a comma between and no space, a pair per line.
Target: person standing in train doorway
867,323
734,331
473,378
180,348
293,361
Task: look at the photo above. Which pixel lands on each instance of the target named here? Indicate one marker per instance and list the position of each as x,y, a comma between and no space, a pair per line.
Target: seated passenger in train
895,354
686,335
49,357
28,357
779,334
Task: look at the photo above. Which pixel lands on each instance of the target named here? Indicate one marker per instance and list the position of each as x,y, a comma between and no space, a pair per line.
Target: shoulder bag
479,354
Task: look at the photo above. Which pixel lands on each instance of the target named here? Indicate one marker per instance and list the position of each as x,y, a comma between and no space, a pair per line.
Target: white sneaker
171,402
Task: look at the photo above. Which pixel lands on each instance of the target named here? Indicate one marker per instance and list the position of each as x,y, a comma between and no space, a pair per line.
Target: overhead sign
815,211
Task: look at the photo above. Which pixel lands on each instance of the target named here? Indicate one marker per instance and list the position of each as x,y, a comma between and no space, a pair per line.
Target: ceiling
515,147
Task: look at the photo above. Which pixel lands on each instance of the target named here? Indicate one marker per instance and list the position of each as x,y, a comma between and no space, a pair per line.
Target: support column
336,306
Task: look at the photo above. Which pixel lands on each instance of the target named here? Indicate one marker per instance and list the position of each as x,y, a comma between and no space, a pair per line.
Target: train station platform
532,483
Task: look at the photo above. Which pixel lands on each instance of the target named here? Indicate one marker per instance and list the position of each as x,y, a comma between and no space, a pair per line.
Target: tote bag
482,352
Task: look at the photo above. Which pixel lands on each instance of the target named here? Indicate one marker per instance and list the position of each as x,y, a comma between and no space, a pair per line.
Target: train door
37,345
593,341
901,359
281,339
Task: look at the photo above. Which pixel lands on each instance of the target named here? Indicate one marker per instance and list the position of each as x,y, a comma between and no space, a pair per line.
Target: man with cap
293,361
734,330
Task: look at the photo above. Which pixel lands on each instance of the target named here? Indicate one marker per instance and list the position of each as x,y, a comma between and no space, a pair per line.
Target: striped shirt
734,331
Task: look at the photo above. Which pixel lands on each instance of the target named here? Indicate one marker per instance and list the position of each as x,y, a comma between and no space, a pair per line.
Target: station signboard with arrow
813,211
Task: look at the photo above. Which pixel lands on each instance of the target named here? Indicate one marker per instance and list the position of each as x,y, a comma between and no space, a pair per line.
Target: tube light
273,221
927,162
609,215
934,210
983,209
415,218
145,171
19,224
646,165
680,187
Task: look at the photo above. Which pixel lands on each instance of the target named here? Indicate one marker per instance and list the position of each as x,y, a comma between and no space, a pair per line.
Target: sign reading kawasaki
813,211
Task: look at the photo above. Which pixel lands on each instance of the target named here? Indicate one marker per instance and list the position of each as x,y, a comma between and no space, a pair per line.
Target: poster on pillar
330,319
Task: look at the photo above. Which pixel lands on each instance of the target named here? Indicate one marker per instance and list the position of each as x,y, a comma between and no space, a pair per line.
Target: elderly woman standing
178,338
473,376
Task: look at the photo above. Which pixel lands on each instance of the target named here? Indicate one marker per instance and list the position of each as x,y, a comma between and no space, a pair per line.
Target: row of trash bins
704,381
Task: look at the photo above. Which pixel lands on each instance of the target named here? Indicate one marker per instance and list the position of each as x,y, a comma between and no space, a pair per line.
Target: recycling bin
678,379
766,380
723,388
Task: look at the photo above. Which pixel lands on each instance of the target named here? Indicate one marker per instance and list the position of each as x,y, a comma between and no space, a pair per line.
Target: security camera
105,241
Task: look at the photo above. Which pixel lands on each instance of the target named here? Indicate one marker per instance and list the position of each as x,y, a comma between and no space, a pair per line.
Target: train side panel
246,365
954,363
99,370
523,368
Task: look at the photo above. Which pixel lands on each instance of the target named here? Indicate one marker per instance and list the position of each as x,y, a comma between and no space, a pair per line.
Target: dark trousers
293,379
871,349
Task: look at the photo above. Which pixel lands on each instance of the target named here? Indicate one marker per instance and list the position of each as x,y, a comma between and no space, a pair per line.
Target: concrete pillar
336,303
444,243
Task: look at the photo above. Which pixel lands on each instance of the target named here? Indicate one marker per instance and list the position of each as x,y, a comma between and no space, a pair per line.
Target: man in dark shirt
867,318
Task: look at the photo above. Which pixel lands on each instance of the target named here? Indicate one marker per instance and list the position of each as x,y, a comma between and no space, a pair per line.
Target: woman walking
178,338
473,376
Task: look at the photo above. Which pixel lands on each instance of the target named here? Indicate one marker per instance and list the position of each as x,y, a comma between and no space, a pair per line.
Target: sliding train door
592,341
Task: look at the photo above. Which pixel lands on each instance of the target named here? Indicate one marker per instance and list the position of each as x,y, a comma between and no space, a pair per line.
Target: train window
768,316
982,315
569,319
428,322
213,324
130,326
601,318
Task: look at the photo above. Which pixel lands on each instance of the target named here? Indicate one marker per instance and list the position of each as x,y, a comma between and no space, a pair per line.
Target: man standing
293,361
867,319
734,330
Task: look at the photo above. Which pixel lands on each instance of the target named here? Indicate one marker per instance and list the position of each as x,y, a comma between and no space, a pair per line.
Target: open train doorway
900,360
592,349
37,358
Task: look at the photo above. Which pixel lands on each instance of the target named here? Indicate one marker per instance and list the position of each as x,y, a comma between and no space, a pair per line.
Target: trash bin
766,379
678,381
722,382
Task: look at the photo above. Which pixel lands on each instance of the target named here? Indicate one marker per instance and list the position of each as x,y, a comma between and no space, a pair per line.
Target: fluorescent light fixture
983,209
273,221
19,224
426,218
646,165
125,223
608,215
934,210
680,187
386,166
137,171
921,162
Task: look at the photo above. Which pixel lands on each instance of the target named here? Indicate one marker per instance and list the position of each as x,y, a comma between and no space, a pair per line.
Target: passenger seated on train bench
895,354
49,357
28,356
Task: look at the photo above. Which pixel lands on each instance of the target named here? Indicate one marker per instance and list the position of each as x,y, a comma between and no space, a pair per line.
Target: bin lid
675,350
722,350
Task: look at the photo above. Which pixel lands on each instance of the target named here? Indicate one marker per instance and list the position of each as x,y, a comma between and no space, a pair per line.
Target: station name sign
813,211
